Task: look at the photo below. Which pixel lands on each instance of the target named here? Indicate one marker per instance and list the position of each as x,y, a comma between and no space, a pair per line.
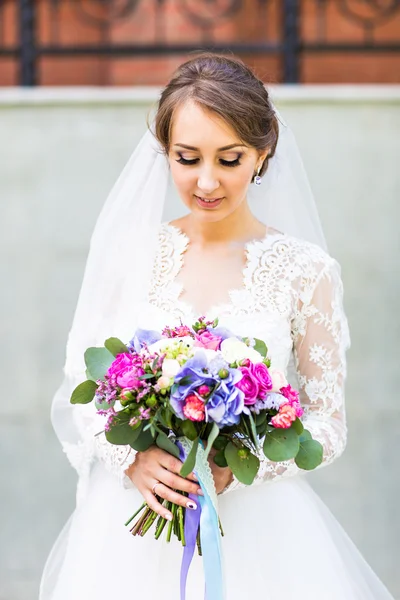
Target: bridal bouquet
189,389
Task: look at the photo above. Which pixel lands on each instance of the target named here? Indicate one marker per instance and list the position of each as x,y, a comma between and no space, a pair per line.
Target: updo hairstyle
227,87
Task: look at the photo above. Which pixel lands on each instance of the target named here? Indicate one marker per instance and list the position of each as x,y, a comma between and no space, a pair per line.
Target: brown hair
228,87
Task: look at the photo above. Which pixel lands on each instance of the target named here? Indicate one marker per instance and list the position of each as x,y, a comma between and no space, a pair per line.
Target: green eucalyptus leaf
104,405
84,393
261,347
115,346
243,464
165,443
190,461
220,442
281,444
144,440
305,435
220,459
189,429
309,455
210,440
98,361
121,433
298,426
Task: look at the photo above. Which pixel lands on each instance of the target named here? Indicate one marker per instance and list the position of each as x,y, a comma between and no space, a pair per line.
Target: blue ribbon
206,515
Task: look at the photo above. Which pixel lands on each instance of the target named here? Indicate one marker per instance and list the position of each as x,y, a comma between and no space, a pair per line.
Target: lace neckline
219,308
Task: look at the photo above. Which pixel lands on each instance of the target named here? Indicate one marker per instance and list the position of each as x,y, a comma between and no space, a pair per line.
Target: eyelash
225,163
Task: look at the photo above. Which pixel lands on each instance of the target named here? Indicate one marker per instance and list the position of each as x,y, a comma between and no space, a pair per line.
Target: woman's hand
155,465
222,475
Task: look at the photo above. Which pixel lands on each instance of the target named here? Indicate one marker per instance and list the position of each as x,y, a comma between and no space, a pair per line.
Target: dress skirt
281,543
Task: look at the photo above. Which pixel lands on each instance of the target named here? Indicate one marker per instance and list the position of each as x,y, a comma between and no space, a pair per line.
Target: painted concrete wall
60,152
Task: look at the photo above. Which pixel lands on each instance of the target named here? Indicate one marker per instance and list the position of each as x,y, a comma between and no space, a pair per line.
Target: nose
207,181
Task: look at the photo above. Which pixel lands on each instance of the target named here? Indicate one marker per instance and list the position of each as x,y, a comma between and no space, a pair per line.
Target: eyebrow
218,150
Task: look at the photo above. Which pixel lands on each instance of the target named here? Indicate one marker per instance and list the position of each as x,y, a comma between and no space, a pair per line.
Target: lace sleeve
91,445
320,339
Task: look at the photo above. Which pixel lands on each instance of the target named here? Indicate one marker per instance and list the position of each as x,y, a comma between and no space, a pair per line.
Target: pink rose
263,378
285,417
204,390
293,398
207,340
248,385
125,370
194,408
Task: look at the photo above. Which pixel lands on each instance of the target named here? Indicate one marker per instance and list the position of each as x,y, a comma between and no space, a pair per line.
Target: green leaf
121,433
281,444
253,430
261,347
144,441
210,440
104,405
189,429
242,463
97,361
220,442
220,459
166,444
305,435
298,426
260,418
84,393
309,455
190,461
115,346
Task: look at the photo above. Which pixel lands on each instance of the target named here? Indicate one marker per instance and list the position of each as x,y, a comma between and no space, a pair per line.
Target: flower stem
136,513
220,527
198,542
149,523
136,528
171,523
181,525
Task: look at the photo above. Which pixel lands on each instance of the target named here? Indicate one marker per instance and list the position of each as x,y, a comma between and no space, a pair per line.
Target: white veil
123,245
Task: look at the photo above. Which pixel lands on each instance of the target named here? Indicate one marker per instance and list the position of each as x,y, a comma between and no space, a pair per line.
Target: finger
165,492
174,465
178,483
155,505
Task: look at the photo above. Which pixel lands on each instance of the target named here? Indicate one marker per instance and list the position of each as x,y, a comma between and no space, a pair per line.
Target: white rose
159,347
164,382
170,367
233,350
278,380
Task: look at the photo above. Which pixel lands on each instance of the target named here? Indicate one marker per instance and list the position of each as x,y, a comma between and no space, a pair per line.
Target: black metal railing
287,39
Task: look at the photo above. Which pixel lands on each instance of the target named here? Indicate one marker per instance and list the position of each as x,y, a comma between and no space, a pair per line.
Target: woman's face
210,166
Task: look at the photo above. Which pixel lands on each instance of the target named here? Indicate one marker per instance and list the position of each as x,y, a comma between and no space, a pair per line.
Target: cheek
182,178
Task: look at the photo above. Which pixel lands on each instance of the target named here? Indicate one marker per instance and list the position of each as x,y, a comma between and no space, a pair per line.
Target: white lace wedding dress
281,542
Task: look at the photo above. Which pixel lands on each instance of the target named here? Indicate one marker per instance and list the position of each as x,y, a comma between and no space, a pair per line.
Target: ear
262,155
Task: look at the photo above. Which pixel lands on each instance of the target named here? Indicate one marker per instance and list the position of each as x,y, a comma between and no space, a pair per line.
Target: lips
208,199
208,203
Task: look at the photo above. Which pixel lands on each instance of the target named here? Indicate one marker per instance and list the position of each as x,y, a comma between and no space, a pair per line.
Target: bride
249,250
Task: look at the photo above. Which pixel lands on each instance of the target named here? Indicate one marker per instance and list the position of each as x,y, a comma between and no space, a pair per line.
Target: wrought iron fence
300,27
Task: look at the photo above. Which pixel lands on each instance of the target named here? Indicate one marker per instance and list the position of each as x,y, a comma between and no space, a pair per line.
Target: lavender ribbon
206,516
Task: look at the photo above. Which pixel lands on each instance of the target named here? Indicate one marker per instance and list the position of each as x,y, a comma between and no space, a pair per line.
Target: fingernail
194,476
168,517
200,492
191,505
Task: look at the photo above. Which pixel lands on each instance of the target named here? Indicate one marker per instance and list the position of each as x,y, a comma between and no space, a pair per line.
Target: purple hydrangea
143,337
193,369
226,404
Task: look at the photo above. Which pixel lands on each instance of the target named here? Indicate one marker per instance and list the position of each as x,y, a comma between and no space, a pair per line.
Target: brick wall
256,20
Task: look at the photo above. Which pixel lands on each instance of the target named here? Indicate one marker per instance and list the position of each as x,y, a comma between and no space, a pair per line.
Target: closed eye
225,163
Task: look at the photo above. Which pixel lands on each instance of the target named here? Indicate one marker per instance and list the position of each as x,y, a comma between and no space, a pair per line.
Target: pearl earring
257,178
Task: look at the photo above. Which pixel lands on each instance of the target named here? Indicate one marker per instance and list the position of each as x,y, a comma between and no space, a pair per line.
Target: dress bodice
291,297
